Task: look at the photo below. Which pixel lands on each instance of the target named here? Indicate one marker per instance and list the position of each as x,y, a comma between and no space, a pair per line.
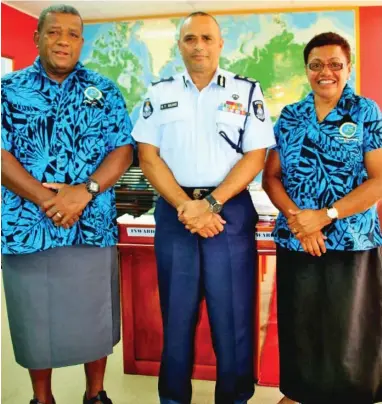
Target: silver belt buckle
198,192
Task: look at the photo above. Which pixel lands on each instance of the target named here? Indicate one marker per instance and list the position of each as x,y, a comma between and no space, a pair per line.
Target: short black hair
199,14
324,39
59,9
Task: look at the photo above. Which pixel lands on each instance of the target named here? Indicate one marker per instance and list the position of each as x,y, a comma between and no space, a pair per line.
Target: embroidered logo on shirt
234,107
169,105
348,129
93,96
235,96
258,109
147,109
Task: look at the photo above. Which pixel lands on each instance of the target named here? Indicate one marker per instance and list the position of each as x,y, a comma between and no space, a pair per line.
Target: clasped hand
67,206
306,225
197,218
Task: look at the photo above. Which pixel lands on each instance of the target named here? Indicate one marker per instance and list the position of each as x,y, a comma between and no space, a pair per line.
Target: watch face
217,207
93,186
332,213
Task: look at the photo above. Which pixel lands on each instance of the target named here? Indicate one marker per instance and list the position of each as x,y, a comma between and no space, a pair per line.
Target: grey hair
57,8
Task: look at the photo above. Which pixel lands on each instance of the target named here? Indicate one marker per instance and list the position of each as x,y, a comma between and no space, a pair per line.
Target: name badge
169,105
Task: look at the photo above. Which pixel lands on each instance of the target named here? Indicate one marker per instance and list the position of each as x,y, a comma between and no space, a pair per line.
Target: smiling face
328,84
200,44
59,42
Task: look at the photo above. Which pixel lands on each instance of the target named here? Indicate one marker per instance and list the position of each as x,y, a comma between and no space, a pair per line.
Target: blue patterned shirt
322,162
60,133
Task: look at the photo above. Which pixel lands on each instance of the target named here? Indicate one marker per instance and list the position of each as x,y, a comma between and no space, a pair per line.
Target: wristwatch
92,187
332,213
215,206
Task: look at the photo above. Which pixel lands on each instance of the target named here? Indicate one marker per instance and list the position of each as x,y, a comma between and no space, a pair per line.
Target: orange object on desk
141,316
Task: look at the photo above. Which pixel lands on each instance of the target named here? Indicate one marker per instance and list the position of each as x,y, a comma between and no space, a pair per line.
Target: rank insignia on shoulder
169,105
258,109
147,109
154,83
249,79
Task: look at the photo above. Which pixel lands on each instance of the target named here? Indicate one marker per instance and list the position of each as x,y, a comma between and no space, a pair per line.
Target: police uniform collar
186,78
219,78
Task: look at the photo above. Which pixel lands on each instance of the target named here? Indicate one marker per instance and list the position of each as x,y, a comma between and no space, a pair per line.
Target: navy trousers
222,269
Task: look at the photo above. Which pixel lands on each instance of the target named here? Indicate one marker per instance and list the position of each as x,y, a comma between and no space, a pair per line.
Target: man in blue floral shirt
65,142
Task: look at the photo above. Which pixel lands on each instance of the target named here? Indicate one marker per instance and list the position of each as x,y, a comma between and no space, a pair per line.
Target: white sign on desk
264,235
6,66
141,231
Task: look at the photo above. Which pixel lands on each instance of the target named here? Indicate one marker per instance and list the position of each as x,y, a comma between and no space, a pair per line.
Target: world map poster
267,47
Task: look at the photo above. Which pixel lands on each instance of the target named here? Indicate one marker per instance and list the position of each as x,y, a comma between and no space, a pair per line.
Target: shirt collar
38,68
347,93
219,78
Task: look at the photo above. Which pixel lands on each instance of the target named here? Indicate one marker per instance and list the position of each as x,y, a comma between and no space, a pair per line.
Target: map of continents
267,47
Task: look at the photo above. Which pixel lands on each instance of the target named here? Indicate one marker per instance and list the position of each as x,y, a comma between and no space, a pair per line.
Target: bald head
198,14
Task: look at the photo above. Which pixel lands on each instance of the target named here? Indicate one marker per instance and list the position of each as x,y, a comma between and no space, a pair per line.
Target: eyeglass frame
323,66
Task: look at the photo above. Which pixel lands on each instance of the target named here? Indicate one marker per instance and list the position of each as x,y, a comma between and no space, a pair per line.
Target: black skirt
330,326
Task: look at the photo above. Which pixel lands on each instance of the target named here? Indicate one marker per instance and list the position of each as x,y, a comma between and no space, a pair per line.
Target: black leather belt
198,193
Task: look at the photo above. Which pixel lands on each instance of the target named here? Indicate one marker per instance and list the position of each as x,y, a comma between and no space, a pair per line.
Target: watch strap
215,206
210,199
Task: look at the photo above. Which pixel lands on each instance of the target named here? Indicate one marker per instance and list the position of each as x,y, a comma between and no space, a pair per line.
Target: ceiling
93,11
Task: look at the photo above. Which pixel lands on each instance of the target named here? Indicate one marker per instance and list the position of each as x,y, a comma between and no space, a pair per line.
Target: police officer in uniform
202,139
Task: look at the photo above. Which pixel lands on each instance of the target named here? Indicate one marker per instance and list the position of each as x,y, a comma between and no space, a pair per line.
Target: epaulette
154,83
248,79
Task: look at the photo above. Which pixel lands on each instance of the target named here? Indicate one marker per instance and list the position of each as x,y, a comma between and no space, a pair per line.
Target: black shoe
100,397
35,401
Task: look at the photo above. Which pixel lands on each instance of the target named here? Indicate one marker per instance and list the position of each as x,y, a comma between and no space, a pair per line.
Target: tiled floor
68,383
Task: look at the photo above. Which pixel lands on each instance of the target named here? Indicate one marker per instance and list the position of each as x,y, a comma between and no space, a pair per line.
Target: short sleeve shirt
322,162
195,131
60,133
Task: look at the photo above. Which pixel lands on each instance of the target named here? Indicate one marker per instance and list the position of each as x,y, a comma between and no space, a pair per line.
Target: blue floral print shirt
60,133
324,161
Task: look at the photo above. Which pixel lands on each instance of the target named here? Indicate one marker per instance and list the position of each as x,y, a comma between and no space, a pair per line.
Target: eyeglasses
319,67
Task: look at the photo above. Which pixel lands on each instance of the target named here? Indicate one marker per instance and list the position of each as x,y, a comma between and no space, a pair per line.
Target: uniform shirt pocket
228,124
173,125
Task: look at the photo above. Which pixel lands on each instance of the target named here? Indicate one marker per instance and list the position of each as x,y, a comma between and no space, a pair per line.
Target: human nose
325,68
198,45
63,39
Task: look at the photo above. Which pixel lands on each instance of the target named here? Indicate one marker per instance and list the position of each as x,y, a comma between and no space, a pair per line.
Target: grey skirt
330,326
63,305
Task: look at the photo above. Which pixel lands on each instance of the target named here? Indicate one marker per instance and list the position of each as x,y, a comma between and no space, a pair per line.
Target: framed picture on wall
6,66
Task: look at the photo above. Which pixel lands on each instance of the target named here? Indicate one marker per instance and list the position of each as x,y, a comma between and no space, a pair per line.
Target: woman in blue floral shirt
325,177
